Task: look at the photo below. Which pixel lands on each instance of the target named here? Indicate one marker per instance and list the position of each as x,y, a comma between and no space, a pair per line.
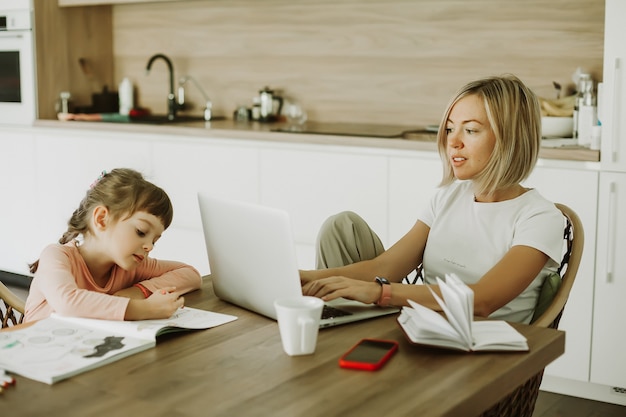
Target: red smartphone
369,354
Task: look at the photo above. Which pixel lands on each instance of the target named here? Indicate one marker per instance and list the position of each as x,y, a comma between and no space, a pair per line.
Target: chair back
574,236
521,402
11,307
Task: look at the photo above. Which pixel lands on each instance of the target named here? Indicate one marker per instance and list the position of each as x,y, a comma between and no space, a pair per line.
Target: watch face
382,281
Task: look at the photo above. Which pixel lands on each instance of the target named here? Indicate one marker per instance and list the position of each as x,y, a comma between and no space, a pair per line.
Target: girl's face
132,238
470,139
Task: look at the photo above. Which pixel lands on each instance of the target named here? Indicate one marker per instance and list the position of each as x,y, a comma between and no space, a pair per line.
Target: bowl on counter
557,127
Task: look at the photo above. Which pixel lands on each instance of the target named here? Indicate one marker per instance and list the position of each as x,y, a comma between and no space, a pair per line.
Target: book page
426,326
465,292
452,306
184,318
51,349
497,335
426,330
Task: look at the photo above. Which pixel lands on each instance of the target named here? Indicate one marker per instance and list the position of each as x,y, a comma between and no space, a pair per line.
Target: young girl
108,274
500,238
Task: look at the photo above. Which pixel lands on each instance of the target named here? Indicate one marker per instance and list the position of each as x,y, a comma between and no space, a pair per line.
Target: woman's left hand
335,287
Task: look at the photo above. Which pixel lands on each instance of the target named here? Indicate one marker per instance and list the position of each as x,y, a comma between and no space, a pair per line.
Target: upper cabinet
613,113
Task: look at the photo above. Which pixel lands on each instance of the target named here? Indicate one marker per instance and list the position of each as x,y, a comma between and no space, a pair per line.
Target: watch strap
385,295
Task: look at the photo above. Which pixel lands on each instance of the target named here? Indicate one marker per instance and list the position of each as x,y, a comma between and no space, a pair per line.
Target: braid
78,223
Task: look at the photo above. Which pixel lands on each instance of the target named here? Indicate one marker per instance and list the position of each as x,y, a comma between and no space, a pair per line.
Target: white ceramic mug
298,322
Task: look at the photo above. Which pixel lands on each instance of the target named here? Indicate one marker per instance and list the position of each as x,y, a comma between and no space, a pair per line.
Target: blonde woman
500,238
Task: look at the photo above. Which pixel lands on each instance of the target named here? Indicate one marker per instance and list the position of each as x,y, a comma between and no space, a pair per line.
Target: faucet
171,98
181,95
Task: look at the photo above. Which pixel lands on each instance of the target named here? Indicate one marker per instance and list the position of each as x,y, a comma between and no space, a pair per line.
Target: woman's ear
100,217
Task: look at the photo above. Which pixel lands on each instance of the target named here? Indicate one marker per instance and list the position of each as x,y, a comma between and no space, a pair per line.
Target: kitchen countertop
415,138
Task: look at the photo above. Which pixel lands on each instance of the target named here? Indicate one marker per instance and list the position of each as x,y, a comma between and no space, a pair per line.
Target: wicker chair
12,311
521,402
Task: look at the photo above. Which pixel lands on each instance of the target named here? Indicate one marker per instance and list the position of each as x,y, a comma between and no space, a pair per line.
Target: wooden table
239,369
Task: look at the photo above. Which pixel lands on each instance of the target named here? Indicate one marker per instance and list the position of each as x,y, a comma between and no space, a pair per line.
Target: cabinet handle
11,36
612,232
615,120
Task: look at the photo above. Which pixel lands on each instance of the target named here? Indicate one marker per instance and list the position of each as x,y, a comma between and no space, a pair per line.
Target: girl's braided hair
123,192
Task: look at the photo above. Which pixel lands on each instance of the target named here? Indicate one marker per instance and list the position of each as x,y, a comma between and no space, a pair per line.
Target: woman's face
470,139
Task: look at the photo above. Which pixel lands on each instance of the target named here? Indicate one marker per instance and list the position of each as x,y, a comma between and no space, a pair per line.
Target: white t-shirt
468,238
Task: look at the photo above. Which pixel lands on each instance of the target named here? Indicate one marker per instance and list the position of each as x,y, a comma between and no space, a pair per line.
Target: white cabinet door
17,193
613,109
412,182
183,167
608,363
312,183
577,189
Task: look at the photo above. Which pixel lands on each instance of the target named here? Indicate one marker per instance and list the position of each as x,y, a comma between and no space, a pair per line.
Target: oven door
17,78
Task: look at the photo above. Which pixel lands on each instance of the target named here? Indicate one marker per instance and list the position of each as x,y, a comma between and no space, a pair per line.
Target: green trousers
346,238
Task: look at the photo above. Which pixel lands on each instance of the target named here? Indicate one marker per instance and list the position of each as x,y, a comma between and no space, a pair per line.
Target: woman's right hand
334,287
306,276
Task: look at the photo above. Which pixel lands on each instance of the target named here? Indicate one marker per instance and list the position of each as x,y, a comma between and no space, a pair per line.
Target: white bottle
596,137
126,96
587,119
587,114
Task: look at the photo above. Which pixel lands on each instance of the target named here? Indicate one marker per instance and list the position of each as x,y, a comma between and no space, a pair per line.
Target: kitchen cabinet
613,109
608,365
18,211
312,183
183,167
413,179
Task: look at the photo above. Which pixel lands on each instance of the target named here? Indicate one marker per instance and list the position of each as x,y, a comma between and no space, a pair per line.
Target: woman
500,238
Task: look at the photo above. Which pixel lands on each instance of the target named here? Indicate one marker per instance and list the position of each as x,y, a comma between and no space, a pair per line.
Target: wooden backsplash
378,61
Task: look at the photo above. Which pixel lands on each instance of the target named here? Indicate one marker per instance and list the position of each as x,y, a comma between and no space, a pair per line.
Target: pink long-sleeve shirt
63,284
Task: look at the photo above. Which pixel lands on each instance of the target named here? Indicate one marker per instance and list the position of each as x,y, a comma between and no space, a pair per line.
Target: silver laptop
253,261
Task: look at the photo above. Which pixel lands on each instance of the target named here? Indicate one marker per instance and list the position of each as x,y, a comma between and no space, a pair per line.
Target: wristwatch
385,295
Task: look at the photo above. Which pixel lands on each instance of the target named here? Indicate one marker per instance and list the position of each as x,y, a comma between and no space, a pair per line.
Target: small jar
256,109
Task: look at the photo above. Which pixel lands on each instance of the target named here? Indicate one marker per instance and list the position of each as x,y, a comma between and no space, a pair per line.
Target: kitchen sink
345,129
363,130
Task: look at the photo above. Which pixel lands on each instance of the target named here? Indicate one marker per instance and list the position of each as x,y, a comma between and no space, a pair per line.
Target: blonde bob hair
514,114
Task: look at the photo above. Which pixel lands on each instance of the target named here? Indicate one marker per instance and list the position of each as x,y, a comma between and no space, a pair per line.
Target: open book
457,330
59,347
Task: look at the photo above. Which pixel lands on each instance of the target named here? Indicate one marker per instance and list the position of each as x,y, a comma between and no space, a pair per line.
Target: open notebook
253,261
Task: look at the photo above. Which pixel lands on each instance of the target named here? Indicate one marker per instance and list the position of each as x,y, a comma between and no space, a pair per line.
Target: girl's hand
164,302
160,305
334,287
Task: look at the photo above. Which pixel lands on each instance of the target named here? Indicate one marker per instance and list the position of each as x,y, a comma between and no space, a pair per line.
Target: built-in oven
18,102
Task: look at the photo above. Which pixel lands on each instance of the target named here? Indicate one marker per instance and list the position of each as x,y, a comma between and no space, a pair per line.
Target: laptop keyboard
329,312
